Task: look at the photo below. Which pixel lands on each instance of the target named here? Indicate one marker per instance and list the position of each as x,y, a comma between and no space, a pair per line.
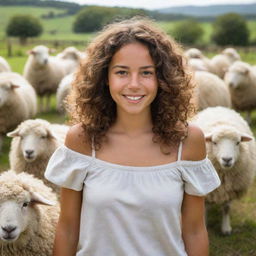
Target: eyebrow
126,67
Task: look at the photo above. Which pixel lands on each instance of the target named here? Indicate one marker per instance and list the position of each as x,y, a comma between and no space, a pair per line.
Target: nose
134,82
231,84
29,152
9,228
227,160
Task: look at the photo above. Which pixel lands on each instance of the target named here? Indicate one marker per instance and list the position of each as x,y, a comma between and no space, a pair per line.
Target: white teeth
134,97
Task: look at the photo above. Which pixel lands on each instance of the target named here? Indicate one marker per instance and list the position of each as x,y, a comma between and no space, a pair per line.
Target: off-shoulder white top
129,210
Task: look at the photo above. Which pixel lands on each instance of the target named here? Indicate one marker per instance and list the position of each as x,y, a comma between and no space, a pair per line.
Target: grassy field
61,27
242,241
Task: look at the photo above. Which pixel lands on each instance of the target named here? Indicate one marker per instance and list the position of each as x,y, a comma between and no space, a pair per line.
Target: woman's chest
139,190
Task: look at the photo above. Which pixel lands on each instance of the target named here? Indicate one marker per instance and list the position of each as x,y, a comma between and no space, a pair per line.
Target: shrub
24,26
92,18
187,31
230,29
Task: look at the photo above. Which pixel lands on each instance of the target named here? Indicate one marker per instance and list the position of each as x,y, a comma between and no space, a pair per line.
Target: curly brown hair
90,98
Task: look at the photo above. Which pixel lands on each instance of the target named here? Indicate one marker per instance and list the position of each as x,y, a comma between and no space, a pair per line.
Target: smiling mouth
133,98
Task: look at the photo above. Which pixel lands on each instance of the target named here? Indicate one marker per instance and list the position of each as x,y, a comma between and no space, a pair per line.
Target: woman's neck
132,124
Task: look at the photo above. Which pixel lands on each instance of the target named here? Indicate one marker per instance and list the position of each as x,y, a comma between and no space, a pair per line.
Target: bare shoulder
77,141
194,145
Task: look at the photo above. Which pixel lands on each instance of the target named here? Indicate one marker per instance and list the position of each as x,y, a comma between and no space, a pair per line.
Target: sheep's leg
48,103
40,104
226,226
248,117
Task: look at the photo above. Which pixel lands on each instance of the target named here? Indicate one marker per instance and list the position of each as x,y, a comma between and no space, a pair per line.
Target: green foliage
230,29
187,31
92,18
24,26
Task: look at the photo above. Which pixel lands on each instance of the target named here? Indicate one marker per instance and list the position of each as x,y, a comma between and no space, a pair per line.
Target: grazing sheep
17,101
4,66
232,150
198,62
210,91
197,65
241,81
32,145
28,216
62,92
45,72
71,53
223,61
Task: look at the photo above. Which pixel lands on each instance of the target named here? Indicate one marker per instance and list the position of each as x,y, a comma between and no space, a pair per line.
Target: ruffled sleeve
67,168
200,177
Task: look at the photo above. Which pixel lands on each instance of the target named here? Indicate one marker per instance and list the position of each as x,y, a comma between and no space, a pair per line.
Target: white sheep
45,72
32,145
4,65
198,62
210,91
232,150
223,61
29,213
17,101
71,53
241,81
62,92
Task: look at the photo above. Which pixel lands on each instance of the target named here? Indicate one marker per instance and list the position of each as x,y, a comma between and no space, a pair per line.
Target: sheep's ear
246,71
246,137
38,199
51,134
208,137
14,133
31,52
14,86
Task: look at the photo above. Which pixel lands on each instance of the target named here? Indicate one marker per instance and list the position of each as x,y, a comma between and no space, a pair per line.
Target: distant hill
211,10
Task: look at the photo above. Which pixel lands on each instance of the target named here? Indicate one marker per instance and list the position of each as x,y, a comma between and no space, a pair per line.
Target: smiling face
132,79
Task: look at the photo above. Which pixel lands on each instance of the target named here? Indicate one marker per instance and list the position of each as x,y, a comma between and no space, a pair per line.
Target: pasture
59,30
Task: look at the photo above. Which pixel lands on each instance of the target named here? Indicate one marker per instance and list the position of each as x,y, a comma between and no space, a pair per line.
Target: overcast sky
156,4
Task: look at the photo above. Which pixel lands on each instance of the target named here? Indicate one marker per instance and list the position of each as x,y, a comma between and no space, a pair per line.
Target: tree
187,31
24,26
230,29
92,18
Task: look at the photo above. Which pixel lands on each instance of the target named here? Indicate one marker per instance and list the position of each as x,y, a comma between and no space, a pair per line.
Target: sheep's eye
238,143
43,137
26,204
215,143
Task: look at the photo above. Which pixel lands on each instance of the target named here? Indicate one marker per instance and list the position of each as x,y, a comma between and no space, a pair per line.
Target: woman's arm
193,211
194,232
67,232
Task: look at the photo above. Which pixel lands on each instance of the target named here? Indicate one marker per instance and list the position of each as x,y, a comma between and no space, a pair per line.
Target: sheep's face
237,78
14,218
33,143
40,55
6,92
34,139
194,53
232,54
225,146
18,215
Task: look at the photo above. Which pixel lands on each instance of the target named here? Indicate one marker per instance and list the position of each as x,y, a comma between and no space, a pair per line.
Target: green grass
243,217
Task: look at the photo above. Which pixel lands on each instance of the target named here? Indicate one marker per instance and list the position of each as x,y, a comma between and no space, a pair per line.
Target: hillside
211,10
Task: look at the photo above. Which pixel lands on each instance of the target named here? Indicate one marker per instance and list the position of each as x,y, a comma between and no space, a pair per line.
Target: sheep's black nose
9,228
29,152
227,159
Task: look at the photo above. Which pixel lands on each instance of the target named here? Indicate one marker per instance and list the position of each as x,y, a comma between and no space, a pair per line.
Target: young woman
133,172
